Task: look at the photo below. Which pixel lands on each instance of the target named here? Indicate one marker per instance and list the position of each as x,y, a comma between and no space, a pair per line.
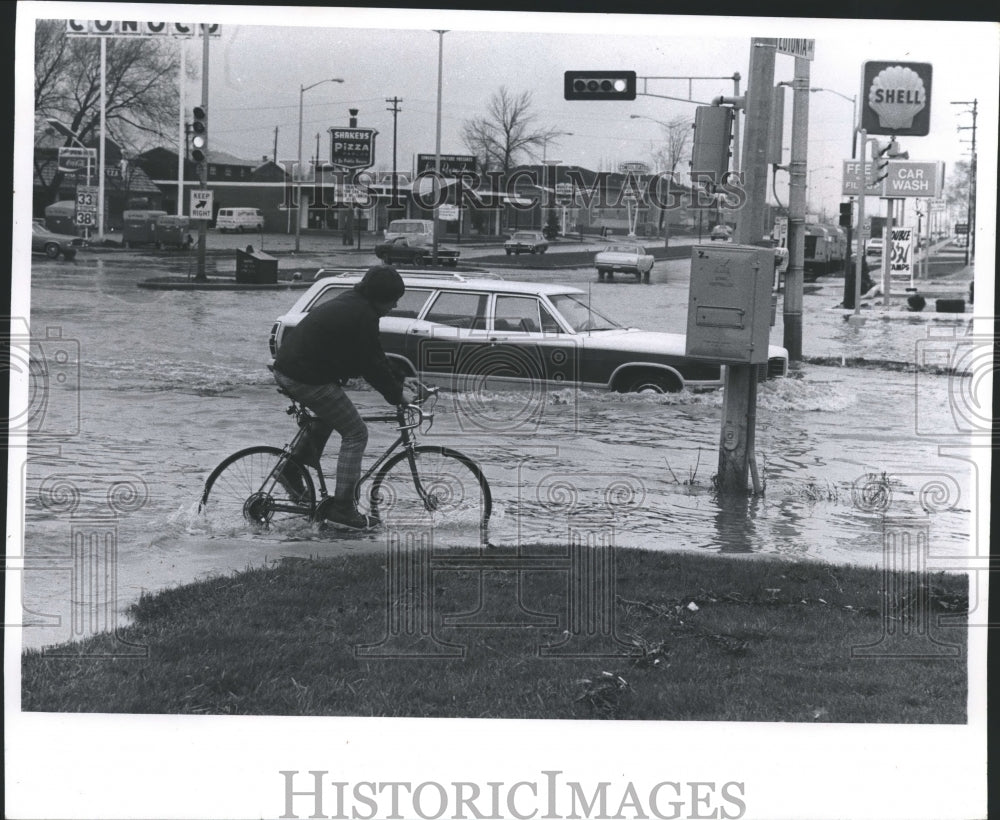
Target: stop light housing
846,214
880,162
713,133
599,85
199,130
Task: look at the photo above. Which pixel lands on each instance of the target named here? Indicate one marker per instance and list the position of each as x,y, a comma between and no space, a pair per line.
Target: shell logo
897,95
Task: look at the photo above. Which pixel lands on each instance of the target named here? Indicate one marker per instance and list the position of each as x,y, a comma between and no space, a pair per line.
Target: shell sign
896,98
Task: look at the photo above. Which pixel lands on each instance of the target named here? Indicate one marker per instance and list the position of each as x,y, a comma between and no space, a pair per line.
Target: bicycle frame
406,439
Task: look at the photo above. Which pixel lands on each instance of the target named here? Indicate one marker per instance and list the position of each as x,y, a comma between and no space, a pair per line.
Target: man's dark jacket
336,341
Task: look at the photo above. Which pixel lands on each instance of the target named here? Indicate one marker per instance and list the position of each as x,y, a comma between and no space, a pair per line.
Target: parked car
464,333
526,242
413,251
53,245
721,233
623,257
874,246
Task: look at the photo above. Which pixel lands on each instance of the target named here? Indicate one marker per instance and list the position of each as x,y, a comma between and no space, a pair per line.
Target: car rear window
410,304
464,310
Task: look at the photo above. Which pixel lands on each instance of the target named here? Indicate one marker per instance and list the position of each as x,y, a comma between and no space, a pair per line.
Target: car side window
463,310
410,304
331,292
519,314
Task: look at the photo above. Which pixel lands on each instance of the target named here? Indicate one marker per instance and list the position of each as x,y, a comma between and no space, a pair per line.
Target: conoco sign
896,98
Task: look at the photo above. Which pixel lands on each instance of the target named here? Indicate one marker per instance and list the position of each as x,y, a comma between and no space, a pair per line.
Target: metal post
298,177
736,444
437,145
181,137
100,161
203,169
792,303
859,264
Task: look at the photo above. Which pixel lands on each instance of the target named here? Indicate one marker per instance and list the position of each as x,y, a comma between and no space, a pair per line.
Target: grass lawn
668,637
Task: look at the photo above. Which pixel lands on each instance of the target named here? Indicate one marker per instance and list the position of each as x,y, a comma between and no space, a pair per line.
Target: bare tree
506,131
141,93
673,150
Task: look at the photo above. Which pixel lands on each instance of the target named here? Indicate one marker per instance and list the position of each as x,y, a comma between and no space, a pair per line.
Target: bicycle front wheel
438,487
245,486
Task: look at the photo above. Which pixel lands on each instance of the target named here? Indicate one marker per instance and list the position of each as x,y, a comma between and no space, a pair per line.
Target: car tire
600,275
509,251
651,382
533,251
52,250
418,260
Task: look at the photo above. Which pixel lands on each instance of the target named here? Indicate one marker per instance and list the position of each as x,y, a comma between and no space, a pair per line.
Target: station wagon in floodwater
487,333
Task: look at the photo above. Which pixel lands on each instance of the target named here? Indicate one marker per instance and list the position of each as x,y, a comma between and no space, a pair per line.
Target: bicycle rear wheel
452,490
244,486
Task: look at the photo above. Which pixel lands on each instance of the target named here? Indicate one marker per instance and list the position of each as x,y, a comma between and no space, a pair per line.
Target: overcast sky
265,54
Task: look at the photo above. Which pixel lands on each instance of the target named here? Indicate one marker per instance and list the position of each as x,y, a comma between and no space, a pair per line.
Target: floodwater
143,392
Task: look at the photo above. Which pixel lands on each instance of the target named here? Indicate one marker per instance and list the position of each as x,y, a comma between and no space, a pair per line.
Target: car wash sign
352,148
896,98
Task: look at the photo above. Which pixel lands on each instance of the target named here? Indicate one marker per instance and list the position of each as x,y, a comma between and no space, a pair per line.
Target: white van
417,231
239,219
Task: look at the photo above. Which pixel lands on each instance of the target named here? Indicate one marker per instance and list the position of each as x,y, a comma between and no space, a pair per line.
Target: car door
447,343
528,344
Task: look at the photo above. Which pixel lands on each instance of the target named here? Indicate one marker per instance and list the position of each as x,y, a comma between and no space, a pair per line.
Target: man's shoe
347,515
291,480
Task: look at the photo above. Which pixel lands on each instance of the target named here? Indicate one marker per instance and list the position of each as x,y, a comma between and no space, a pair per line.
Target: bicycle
420,485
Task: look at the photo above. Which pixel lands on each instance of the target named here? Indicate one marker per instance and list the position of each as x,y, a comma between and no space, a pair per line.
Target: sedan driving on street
526,242
409,251
623,257
54,245
468,334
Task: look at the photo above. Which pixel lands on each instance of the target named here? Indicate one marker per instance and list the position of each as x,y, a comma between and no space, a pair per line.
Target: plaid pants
334,411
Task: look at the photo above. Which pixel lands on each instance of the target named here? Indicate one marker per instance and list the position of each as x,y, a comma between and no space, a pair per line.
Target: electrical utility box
729,306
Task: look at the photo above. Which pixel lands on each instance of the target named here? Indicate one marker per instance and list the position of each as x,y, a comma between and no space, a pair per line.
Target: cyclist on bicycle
337,341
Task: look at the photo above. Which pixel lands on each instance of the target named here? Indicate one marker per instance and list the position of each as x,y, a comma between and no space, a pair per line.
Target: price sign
86,206
901,260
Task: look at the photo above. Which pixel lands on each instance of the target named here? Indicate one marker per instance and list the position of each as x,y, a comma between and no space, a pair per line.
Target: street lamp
854,106
298,207
548,138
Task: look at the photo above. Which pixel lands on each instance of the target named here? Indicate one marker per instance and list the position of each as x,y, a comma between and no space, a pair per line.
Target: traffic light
713,132
199,142
599,85
880,162
846,215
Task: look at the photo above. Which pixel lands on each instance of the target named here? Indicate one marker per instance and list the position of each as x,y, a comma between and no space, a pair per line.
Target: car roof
458,281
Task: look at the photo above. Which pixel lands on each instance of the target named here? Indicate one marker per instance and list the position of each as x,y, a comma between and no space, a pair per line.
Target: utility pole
739,412
970,247
792,303
275,156
395,109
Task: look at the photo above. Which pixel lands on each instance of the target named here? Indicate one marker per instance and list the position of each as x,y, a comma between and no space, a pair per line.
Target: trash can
172,231
255,267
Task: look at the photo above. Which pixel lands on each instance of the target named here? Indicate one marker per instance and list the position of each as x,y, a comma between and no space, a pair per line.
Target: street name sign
796,47
896,98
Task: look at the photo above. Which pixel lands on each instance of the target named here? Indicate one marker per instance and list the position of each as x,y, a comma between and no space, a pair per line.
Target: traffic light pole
203,166
859,262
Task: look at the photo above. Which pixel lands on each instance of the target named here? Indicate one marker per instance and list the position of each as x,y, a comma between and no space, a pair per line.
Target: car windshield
581,317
